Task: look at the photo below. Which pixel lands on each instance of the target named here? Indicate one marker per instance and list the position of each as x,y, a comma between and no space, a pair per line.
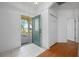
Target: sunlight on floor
30,50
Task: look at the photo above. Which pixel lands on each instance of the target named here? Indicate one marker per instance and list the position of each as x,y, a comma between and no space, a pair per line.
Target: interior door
71,29
36,30
52,30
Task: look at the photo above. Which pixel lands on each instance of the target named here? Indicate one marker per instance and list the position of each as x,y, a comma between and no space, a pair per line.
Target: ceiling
66,5
27,5
30,4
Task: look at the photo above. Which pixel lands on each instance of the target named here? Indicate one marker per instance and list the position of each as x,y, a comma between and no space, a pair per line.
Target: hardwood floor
61,50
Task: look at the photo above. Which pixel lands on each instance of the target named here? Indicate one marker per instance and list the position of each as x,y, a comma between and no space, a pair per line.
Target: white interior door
71,29
52,30
77,31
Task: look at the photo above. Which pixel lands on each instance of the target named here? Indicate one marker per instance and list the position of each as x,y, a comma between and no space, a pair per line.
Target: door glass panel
37,25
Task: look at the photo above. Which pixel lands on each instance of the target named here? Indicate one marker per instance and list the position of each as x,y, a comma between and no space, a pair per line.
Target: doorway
30,30
71,29
26,29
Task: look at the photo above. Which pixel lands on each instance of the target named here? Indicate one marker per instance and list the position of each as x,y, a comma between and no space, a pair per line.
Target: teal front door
36,30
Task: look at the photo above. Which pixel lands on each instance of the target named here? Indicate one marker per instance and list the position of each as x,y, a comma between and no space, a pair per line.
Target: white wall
52,30
65,12
10,36
63,15
44,34
25,8
52,26
77,24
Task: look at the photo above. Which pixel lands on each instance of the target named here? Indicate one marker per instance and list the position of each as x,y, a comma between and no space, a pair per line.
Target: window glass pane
24,27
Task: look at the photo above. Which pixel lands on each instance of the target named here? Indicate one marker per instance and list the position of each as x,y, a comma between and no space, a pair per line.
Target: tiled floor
29,50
